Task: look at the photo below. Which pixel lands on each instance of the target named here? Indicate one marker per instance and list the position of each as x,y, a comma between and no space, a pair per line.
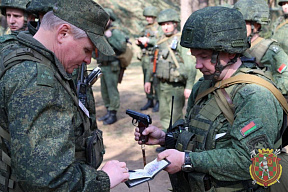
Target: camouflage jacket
45,124
166,64
153,32
117,42
222,149
280,32
275,59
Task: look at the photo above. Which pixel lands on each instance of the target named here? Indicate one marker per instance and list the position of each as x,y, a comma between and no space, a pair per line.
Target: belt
174,84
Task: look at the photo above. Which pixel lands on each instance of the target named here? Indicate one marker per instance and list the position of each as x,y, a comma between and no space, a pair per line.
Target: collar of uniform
28,40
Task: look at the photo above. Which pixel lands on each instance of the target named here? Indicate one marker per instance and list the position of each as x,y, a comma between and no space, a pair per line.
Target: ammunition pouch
115,66
186,141
95,149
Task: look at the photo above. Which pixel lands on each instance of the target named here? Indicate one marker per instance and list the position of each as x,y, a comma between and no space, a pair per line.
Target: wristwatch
187,166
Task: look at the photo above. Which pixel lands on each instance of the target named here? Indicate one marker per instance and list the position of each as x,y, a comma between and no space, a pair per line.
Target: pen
131,171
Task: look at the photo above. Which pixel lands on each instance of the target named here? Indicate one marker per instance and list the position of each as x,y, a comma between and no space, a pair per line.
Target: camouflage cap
215,28
88,16
254,10
150,11
282,1
111,13
18,4
36,6
168,15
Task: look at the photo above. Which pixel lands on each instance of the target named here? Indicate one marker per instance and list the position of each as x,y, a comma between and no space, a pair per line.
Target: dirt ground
119,137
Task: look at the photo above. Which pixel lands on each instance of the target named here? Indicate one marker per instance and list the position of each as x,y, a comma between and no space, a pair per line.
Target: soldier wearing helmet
146,42
280,26
174,69
110,66
209,150
267,52
16,14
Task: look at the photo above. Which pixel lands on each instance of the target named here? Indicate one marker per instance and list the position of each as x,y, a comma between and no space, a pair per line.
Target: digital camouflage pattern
150,11
36,6
280,32
96,19
45,125
227,158
254,10
168,15
19,4
204,30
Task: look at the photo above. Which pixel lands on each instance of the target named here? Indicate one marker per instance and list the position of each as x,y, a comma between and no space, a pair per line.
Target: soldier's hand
155,135
147,87
187,93
175,157
143,40
117,172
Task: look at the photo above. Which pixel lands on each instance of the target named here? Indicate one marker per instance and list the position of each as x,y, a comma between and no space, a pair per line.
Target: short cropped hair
50,21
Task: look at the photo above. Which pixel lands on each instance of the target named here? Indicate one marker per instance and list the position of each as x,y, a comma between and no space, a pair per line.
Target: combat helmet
150,11
111,13
18,4
216,28
282,1
168,15
254,10
43,6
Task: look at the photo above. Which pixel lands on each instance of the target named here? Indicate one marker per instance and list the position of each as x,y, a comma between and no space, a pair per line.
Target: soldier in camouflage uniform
175,69
39,8
207,150
146,42
266,51
16,14
110,66
44,129
280,27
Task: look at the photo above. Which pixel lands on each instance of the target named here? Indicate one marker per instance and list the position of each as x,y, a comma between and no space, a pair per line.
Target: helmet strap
218,67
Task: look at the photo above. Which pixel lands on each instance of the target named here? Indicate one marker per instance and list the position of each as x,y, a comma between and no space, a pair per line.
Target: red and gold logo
265,169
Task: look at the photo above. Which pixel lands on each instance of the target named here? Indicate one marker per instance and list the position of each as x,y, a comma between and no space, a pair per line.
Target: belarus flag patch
248,128
282,68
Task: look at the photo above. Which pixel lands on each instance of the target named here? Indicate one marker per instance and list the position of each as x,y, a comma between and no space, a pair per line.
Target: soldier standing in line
280,26
266,51
208,150
44,129
146,42
110,66
16,14
175,69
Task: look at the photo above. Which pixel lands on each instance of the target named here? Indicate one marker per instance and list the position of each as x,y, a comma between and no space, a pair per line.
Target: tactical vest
170,65
92,140
215,111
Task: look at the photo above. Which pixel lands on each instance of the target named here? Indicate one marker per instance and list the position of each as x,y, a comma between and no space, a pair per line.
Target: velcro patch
248,128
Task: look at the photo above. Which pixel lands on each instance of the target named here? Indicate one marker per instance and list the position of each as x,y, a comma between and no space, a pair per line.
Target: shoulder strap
166,38
248,79
281,25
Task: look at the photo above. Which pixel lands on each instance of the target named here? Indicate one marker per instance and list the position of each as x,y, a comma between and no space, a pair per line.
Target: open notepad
139,176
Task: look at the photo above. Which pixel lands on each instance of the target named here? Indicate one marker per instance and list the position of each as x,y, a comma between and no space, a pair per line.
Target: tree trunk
186,10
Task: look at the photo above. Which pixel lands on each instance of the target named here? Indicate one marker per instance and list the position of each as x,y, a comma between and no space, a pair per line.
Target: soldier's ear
63,31
231,55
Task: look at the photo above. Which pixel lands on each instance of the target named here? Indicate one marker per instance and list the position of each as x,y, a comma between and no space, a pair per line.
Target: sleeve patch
282,68
248,128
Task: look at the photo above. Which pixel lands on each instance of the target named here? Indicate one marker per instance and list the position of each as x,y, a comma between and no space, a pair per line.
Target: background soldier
110,66
266,51
47,133
16,14
146,42
174,69
280,27
212,149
